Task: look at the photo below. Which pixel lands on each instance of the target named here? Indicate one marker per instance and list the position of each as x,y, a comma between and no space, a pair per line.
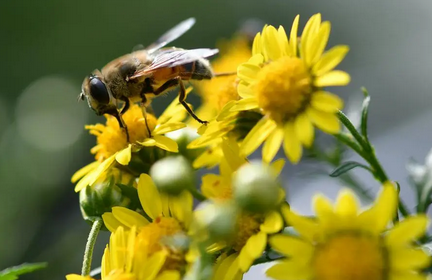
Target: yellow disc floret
111,138
283,88
350,256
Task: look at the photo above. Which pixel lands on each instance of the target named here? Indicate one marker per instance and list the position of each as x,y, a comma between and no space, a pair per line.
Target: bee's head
98,96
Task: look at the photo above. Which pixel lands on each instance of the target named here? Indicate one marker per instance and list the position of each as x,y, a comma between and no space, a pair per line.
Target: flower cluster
167,225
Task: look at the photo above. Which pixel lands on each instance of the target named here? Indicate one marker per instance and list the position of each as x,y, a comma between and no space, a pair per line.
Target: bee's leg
144,112
120,120
126,105
182,98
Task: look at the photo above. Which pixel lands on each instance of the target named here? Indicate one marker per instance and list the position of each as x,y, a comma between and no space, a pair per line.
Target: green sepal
347,166
12,273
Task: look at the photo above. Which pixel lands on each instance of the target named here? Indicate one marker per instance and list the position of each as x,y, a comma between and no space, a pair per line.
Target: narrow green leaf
347,166
12,273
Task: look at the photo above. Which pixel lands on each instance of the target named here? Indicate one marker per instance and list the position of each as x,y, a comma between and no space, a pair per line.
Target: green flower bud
217,220
173,174
256,188
116,188
183,137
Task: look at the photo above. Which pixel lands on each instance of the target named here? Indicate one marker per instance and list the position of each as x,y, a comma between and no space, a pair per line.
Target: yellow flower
77,277
130,256
252,229
285,80
217,92
112,147
343,243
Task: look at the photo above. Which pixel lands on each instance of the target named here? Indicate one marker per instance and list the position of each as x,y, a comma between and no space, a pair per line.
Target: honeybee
144,74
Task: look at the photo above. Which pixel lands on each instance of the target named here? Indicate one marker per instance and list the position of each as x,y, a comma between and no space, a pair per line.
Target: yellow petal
169,275
289,270
165,143
257,45
154,265
283,41
245,104
272,144
329,60
272,47
181,207
347,204
408,275
409,259
323,207
386,206
257,135
106,263
128,217
210,158
333,78
233,272
273,223
72,277
223,263
293,36
307,227
291,144
327,122
320,42
124,156
248,72
210,185
91,177
307,39
277,166
326,102
407,231
110,221
149,196
291,246
168,127
304,130
231,153
83,171
245,90
244,260
131,236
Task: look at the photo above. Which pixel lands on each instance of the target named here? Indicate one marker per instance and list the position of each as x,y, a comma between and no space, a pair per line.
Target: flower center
152,237
247,225
283,88
350,256
111,138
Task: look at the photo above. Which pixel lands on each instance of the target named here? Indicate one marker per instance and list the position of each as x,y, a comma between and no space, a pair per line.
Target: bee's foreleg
121,122
144,112
126,105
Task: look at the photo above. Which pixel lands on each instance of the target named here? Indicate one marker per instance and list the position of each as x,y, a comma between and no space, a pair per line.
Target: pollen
283,88
350,256
247,225
111,138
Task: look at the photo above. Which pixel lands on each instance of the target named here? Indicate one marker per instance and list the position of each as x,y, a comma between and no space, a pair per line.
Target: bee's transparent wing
168,58
171,35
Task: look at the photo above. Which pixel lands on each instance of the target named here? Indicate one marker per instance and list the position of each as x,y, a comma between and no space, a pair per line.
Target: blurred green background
48,47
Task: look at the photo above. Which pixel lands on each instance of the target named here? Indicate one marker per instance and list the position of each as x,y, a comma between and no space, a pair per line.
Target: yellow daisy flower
130,255
253,229
217,92
345,243
285,80
112,147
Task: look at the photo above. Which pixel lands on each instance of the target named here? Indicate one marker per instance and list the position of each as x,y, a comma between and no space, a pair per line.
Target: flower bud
173,174
217,220
116,188
256,188
183,137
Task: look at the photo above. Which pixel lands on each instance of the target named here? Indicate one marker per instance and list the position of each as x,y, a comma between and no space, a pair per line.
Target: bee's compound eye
99,91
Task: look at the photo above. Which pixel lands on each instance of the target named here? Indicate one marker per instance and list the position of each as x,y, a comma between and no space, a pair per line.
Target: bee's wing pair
172,57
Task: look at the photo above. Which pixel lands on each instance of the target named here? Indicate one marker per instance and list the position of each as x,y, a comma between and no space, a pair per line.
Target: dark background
47,47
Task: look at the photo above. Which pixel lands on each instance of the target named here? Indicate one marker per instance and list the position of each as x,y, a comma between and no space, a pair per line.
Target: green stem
91,240
199,196
344,138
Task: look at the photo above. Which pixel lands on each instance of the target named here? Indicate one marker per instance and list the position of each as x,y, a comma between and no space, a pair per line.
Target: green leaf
364,115
12,273
347,166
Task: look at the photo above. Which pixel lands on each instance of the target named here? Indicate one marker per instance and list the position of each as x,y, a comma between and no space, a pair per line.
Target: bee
144,74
